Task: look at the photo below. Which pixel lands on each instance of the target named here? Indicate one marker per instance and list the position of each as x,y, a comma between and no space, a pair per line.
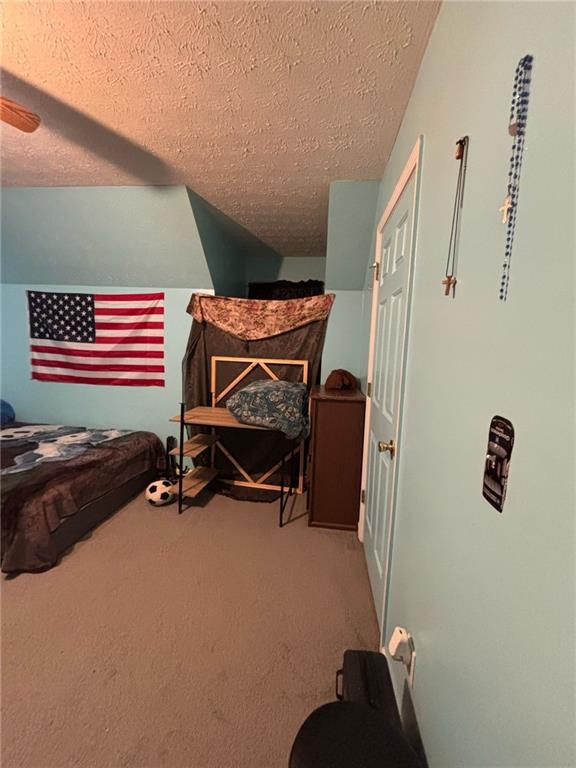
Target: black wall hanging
497,466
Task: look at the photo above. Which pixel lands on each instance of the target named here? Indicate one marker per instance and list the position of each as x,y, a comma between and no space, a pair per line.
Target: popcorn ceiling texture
257,106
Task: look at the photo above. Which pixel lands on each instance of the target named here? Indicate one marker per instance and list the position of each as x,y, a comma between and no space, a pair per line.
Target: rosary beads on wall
516,129
509,208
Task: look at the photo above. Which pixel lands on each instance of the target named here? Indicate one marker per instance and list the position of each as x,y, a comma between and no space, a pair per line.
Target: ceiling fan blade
18,116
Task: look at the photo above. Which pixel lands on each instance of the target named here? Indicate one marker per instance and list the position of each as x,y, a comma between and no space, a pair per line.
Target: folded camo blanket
281,405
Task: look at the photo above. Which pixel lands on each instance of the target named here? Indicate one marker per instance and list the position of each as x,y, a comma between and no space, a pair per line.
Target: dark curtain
257,451
285,289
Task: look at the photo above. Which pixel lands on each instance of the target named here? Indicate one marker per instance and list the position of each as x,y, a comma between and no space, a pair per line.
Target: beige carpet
194,642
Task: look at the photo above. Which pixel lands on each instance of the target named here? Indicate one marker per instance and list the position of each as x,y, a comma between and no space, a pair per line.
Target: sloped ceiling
257,106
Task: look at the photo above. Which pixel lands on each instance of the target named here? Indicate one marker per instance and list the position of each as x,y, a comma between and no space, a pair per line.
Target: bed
59,482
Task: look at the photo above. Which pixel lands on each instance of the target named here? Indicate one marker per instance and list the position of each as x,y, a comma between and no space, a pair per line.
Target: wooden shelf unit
206,416
195,481
216,417
195,446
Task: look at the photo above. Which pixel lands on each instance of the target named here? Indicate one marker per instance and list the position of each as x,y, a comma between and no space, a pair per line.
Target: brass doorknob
390,447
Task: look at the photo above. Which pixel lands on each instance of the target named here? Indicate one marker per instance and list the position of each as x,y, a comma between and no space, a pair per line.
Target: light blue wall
342,348
303,268
141,236
344,340
350,221
351,214
490,597
259,270
231,250
147,408
265,269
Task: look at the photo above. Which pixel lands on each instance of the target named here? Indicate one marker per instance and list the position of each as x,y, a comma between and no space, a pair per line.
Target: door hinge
363,496
369,389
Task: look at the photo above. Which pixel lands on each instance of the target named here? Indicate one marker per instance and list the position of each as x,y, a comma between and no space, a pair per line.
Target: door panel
401,240
382,482
373,478
385,264
380,368
388,357
393,339
370,489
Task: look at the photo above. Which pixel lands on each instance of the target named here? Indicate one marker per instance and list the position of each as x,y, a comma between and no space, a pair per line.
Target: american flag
100,338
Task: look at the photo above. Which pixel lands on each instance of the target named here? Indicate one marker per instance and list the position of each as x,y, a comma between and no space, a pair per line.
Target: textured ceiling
257,106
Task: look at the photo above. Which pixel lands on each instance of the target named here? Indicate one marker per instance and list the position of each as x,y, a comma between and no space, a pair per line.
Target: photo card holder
497,463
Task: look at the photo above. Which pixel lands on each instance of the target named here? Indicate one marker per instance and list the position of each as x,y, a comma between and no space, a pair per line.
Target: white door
390,304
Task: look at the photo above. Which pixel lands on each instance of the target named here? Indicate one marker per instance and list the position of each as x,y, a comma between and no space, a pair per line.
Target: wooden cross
505,209
448,282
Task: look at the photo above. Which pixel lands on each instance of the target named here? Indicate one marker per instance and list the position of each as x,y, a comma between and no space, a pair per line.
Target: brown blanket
35,501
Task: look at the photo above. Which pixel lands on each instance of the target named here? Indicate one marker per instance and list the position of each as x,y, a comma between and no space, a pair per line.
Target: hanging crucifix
450,281
505,209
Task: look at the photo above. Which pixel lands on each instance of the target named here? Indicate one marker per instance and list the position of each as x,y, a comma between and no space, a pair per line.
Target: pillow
279,405
7,415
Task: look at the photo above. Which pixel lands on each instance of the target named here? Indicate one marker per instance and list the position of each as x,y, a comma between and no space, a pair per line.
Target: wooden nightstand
335,464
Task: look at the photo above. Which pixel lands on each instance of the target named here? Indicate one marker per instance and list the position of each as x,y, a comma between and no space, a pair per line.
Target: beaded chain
517,129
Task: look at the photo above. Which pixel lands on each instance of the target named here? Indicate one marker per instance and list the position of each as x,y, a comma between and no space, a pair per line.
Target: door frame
412,166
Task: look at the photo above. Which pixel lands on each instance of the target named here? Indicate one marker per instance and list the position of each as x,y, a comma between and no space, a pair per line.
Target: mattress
50,472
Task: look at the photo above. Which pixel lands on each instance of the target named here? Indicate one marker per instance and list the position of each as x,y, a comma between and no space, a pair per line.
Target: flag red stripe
128,311
96,352
143,324
141,368
104,380
128,296
129,339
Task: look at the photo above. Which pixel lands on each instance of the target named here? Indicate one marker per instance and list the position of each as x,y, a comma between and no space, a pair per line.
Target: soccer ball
159,493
